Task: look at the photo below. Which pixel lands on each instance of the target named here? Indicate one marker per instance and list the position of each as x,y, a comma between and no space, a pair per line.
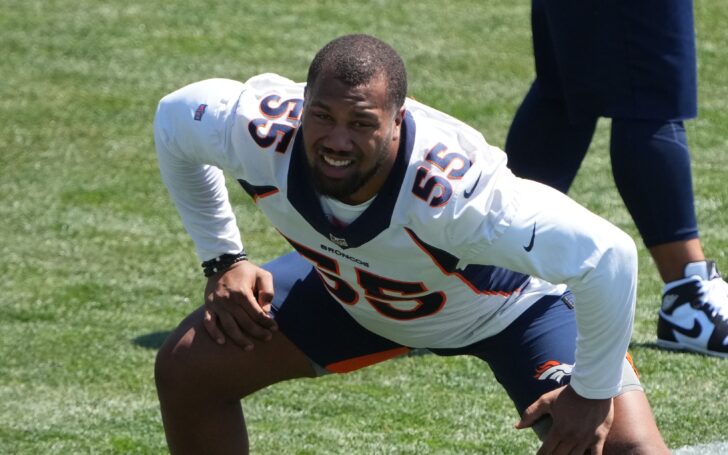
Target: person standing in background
635,63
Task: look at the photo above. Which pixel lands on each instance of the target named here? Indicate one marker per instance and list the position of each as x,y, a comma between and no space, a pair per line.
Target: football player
408,231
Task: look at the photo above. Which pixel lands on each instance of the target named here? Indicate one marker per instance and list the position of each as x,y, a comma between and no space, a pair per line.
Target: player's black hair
356,59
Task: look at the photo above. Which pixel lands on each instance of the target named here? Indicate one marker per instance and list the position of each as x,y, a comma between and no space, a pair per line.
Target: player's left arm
485,215
542,232
550,236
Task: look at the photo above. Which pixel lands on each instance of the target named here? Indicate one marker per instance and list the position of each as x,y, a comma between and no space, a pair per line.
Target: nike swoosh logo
467,193
529,247
693,332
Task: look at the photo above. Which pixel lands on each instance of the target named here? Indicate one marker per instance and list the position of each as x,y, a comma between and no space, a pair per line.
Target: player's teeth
337,163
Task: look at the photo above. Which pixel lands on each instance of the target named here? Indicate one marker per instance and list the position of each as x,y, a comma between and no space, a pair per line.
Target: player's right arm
190,134
237,304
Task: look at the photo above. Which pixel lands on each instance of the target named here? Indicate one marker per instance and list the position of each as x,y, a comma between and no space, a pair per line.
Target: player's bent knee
190,364
634,430
177,367
169,371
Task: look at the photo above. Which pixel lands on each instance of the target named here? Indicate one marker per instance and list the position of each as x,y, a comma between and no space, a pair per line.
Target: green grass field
96,267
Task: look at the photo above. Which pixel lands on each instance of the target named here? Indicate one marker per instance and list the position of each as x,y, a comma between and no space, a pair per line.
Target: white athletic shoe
694,313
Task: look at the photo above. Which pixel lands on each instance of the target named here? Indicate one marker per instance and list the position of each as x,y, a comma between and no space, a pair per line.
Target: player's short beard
345,188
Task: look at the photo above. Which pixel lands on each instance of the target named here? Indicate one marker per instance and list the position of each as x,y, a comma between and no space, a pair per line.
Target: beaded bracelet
222,263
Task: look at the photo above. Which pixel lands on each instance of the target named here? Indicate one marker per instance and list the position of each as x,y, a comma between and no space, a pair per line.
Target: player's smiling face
351,136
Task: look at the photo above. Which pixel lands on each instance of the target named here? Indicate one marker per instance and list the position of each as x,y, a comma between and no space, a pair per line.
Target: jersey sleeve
191,128
546,234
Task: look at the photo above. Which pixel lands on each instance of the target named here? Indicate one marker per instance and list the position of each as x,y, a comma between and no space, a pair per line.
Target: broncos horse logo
553,370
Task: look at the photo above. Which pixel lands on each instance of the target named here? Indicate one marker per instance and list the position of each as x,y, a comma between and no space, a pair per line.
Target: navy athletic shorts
617,58
530,357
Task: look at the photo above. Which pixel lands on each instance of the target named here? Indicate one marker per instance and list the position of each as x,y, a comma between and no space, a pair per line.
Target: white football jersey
452,249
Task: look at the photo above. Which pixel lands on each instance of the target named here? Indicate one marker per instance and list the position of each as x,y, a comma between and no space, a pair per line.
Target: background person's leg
651,168
543,145
546,142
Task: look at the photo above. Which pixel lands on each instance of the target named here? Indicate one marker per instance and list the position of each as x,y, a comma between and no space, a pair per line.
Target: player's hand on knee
578,424
237,302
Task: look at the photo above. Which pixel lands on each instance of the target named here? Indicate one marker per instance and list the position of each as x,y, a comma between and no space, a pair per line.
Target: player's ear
400,116
398,119
306,93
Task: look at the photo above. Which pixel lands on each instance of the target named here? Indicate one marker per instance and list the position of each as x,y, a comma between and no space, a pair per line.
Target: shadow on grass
152,340
655,347
648,345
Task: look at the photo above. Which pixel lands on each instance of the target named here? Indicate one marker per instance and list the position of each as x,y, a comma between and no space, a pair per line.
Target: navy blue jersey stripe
484,279
492,279
444,260
255,191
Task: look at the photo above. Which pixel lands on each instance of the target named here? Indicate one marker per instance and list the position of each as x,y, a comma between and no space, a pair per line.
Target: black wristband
222,263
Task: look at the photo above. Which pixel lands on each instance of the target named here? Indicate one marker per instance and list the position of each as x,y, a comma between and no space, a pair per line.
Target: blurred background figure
635,63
